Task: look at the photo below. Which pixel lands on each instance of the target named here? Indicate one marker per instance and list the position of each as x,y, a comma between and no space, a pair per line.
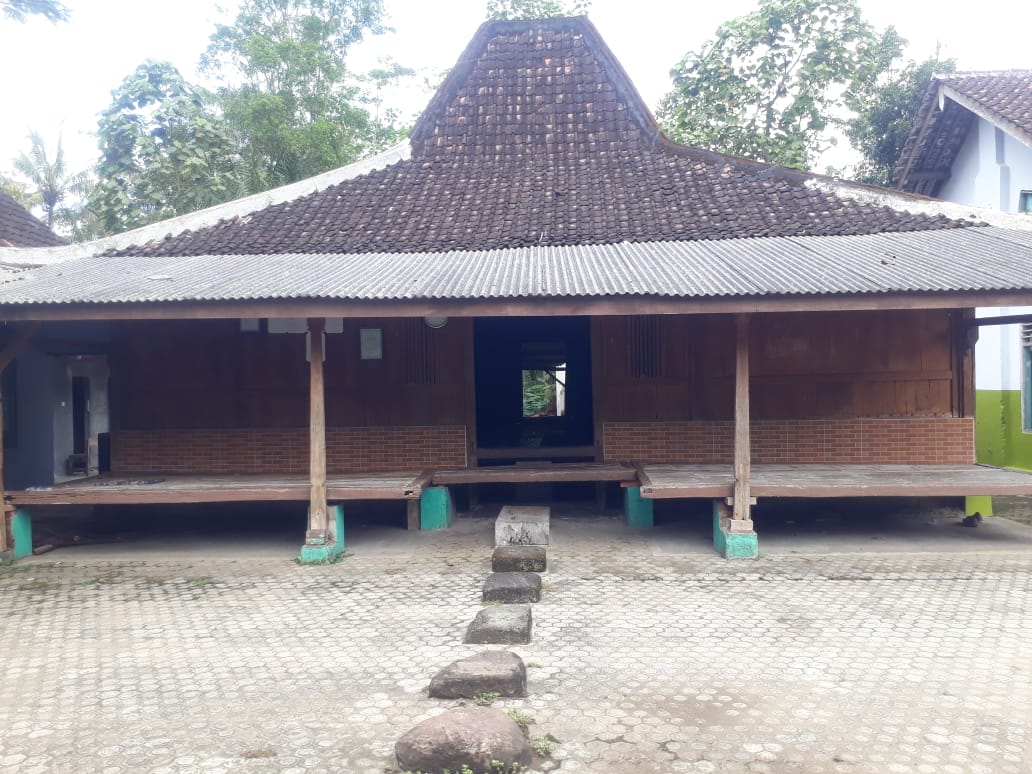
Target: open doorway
533,389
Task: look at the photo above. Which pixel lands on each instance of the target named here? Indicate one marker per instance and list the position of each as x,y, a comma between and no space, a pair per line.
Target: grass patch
487,698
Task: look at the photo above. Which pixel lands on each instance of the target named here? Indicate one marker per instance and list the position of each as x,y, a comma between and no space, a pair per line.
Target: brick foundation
348,450
923,440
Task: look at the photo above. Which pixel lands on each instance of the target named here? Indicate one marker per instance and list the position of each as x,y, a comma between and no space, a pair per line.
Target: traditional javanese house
536,286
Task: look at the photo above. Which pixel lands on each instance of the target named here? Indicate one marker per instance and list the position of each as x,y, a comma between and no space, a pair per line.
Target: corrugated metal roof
968,259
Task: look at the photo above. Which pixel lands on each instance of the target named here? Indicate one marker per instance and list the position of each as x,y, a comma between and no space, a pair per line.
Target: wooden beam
318,521
1007,319
743,450
566,307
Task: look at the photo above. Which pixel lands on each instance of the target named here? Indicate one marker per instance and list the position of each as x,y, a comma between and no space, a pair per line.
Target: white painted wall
991,170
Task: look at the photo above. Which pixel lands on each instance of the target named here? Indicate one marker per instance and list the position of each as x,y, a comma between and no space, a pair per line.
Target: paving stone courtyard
649,653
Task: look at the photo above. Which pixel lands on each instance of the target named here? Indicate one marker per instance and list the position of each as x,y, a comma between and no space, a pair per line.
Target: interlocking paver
643,659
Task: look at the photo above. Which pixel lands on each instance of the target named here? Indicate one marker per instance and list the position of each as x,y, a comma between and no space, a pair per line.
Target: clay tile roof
1004,98
537,137
18,228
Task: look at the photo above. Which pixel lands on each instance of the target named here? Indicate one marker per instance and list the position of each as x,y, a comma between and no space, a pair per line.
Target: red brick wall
924,440
348,449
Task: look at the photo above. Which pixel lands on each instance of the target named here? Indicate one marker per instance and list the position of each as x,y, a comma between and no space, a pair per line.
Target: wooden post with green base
329,548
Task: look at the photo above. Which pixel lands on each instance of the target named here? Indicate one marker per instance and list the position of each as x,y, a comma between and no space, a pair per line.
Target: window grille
646,347
421,361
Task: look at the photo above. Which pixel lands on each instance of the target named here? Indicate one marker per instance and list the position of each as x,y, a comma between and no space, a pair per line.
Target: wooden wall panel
804,366
209,374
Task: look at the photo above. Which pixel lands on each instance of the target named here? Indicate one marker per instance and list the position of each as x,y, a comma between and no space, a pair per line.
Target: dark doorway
80,414
533,388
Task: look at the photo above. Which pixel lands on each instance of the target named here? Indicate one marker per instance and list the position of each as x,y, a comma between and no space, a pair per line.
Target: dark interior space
533,386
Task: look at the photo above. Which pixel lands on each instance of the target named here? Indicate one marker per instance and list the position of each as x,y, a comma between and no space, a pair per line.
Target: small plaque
371,343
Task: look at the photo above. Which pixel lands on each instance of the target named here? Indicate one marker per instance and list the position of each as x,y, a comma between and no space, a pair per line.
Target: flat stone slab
493,671
512,587
522,525
519,559
502,625
473,737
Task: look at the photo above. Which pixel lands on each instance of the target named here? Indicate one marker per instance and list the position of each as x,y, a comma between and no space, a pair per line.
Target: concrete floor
870,640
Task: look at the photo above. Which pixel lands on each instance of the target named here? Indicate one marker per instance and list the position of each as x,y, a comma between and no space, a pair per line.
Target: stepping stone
503,625
475,737
522,525
510,587
519,559
493,671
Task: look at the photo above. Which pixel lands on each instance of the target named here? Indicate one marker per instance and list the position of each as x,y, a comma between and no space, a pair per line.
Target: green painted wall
999,439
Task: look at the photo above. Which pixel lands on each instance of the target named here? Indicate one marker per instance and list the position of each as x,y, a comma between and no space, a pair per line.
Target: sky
57,78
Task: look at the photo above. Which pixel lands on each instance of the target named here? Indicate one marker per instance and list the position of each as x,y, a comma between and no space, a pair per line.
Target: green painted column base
21,532
436,508
639,511
730,544
982,504
331,551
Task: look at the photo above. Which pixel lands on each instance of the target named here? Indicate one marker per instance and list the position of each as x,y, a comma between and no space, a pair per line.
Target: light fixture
435,322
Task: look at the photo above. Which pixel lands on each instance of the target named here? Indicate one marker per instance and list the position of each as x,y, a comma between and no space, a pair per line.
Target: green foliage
544,745
287,95
885,116
521,719
539,394
770,83
164,151
487,698
21,10
535,9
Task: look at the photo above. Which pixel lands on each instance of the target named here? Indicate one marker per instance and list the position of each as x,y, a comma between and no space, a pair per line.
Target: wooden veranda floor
657,482
125,488
671,481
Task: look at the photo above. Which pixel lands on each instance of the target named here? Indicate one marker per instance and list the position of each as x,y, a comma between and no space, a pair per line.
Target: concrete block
21,533
729,541
512,587
522,525
639,511
503,625
436,508
519,559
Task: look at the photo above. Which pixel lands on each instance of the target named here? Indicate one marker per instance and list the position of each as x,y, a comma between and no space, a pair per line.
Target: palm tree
50,183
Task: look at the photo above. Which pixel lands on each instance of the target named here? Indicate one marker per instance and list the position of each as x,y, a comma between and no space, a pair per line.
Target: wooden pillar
318,521
743,451
10,351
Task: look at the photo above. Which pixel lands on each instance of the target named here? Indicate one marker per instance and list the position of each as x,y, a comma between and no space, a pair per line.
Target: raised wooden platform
154,489
537,473
672,481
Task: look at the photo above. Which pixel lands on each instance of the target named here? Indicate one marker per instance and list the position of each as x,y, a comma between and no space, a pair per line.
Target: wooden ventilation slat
1026,334
646,347
419,367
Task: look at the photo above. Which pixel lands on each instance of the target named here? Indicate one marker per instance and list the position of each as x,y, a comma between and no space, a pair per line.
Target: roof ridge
434,112
982,73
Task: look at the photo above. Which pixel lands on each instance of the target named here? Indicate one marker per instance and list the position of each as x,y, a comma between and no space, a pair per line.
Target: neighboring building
972,144
710,319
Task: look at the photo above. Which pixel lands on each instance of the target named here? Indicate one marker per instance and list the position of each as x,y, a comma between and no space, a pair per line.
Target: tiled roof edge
636,107
920,205
41,256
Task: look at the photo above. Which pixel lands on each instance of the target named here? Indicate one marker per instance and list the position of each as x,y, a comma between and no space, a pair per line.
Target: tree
21,10
885,117
287,94
771,82
164,151
535,9
49,184
42,183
